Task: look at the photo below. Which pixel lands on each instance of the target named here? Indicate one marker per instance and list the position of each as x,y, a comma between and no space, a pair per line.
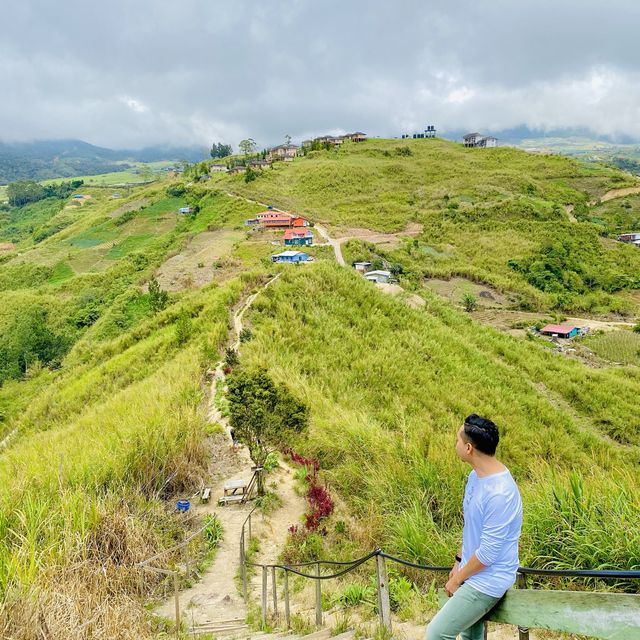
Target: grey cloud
134,73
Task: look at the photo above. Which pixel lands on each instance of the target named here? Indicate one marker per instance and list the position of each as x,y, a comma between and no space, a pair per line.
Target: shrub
469,302
183,328
213,531
158,298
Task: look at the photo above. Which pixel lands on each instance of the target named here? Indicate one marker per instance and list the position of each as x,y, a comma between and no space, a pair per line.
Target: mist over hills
45,159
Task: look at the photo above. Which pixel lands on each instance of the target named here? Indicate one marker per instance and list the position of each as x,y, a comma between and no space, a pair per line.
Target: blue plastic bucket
183,505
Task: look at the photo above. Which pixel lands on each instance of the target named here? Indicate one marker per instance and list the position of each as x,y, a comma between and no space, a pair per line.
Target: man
487,563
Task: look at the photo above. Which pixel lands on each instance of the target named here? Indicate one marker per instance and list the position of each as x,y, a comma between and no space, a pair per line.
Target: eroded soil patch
205,257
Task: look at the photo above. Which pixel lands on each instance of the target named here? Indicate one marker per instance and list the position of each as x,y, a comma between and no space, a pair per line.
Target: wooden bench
222,500
205,495
231,487
611,616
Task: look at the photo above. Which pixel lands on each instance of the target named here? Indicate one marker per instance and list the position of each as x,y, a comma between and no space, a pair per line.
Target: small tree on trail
264,415
469,302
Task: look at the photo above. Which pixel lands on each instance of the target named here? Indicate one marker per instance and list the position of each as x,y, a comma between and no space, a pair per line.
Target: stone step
323,634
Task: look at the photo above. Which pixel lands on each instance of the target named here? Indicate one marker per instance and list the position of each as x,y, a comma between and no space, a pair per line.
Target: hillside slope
496,216
389,385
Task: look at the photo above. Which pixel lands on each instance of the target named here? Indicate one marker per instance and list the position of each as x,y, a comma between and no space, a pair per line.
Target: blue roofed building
291,256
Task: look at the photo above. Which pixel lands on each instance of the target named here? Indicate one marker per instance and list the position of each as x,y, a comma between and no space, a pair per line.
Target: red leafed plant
320,502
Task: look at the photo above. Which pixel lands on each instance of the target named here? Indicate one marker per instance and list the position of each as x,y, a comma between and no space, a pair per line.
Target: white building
378,276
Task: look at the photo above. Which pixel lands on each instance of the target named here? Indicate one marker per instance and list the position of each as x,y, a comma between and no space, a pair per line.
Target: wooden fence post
523,632
245,586
384,606
264,596
287,614
176,593
249,528
318,597
275,590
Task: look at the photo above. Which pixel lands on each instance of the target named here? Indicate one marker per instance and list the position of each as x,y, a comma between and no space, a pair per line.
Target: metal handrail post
264,596
275,590
318,597
287,614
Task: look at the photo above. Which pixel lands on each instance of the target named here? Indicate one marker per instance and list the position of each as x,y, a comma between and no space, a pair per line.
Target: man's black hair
482,433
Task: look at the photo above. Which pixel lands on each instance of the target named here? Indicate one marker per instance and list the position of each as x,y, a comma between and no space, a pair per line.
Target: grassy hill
103,389
388,386
495,216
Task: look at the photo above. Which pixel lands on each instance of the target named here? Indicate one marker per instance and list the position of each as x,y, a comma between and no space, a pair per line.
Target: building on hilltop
216,166
361,267
286,152
477,140
336,141
429,132
239,168
259,164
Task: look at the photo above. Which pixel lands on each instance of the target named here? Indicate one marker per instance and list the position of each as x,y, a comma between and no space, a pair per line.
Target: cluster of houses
336,141
477,140
630,238
375,275
296,233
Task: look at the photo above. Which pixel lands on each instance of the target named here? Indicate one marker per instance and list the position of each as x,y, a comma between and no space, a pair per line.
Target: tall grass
82,484
388,387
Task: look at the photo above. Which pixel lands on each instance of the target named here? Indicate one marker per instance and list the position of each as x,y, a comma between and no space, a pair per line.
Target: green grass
138,401
388,387
617,216
477,210
113,179
616,346
61,271
129,244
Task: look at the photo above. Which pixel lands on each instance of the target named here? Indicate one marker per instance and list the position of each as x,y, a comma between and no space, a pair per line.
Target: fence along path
610,616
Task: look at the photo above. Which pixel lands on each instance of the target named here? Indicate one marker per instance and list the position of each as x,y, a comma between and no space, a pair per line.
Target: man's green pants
462,615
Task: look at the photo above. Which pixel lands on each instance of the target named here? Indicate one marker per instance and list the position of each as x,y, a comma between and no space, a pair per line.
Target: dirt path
612,194
335,243
618,193
215,598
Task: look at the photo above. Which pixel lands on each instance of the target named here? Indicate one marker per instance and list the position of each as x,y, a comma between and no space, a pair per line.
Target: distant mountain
45,159
516,136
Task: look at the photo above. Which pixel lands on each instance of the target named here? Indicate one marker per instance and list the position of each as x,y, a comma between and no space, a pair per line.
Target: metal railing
382,584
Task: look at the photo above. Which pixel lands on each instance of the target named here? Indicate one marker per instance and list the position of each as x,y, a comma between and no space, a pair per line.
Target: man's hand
454,569
453,584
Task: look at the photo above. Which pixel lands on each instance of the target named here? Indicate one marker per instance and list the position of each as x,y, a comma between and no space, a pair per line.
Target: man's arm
456,564
470,569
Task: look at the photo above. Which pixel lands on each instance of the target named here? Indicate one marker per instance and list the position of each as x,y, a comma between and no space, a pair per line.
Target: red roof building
560,330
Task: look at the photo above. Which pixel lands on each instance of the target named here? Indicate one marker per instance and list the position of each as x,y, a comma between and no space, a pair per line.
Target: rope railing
380,557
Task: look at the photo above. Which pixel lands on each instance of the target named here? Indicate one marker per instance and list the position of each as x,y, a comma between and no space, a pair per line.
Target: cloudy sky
129,73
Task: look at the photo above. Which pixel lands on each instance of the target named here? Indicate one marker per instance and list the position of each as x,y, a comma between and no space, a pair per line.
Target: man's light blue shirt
492,524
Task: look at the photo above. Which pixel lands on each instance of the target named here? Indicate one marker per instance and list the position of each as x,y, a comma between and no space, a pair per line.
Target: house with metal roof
378,275
477,140
560,330
294,237
291,256
286,152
